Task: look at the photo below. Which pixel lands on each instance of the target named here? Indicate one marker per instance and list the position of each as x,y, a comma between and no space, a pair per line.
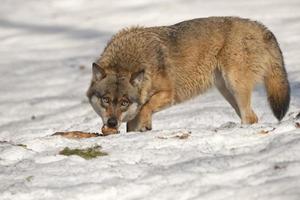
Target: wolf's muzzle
112,122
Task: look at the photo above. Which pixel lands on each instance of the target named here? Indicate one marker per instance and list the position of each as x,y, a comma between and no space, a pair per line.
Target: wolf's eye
124,103
105,99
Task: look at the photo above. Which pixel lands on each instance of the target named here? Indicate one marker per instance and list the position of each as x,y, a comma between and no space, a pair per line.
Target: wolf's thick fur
181,61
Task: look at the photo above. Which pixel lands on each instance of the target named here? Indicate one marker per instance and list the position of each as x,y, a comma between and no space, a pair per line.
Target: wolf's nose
112,122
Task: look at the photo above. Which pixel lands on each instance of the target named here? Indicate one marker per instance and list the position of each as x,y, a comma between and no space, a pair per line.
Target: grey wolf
143,70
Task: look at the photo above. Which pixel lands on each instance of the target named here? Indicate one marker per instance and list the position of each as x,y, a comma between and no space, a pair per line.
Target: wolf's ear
137,78
98,72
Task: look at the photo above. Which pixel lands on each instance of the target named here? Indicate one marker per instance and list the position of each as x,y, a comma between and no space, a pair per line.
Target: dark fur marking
160,58
280,105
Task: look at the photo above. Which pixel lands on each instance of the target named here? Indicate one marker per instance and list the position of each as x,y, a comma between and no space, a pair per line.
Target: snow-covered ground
45,56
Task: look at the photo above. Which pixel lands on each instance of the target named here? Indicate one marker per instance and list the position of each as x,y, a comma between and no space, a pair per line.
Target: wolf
143,70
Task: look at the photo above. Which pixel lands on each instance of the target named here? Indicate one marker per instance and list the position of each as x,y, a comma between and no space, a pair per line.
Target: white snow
42,90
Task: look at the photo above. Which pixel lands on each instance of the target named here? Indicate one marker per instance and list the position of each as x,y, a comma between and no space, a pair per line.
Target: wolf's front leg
143,121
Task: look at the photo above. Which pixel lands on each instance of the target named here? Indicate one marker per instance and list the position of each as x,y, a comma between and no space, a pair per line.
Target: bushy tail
276,81
278,90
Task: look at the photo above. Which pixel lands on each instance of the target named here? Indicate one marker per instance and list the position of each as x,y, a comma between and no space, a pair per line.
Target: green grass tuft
29,178
88,153
22,145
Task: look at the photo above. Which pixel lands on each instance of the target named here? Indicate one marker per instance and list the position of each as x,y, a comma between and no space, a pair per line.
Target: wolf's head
115,96
121,76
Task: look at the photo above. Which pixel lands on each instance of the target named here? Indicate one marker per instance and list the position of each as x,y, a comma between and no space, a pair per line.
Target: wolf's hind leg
143,121
242,90
222,86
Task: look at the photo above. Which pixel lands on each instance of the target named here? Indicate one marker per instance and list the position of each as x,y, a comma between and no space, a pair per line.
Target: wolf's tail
276,82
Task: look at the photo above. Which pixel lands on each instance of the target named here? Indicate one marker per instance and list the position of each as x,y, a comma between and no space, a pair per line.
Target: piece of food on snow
108,131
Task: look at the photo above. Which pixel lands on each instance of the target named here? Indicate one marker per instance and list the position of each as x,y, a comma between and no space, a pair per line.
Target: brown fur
185,59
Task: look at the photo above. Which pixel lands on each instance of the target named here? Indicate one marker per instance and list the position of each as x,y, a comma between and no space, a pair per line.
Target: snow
46,52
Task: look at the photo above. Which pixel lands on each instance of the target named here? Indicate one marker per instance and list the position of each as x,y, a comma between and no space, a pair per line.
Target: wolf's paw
140,124
138,127
145,128
250,118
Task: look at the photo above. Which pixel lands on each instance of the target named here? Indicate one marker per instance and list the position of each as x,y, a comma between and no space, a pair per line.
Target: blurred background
47,48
